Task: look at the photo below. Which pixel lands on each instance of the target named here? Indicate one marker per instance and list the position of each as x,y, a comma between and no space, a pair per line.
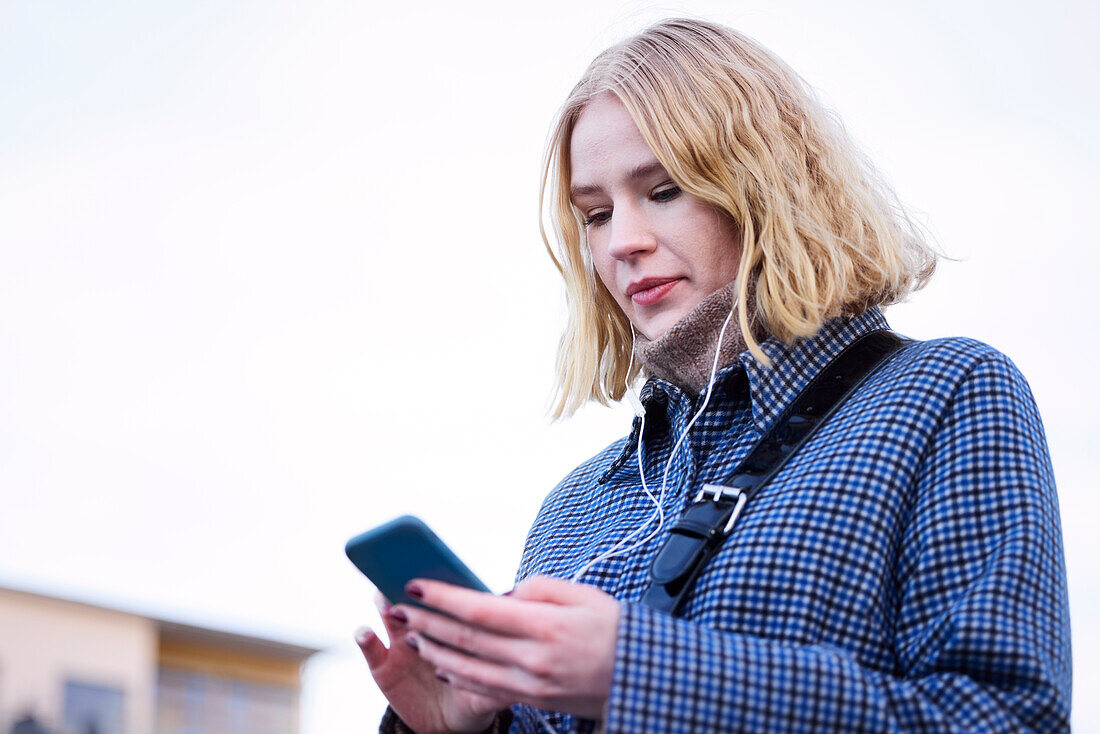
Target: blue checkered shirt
904,571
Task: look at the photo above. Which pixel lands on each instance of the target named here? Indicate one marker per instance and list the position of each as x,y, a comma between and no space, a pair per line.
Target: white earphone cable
616,549
658,501
659,512
687,429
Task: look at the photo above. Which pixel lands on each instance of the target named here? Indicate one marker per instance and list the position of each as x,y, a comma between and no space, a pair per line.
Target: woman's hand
425,703
549,643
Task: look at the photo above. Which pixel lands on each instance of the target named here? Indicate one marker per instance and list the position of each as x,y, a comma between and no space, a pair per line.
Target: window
92,709
195,703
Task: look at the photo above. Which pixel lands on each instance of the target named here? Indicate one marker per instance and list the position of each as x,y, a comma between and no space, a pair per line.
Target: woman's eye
666,194
597,218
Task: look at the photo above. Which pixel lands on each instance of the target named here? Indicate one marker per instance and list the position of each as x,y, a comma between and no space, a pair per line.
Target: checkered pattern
903,572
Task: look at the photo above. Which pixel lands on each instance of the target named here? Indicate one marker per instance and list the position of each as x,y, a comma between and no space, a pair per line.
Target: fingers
503,615
394,629
373,649
553,591
468,638
479,676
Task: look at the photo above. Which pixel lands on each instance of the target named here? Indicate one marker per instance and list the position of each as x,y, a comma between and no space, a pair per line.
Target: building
79,668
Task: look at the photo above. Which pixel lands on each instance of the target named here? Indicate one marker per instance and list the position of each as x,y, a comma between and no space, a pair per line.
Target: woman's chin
657,327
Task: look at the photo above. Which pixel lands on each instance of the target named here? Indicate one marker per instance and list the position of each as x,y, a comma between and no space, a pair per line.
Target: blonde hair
823,235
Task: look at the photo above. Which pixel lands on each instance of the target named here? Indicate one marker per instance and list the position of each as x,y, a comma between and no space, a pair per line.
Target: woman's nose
630,234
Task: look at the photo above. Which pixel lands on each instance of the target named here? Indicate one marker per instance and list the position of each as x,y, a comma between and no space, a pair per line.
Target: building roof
233,640
181,630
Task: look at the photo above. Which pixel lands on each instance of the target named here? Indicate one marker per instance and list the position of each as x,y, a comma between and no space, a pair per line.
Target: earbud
631,396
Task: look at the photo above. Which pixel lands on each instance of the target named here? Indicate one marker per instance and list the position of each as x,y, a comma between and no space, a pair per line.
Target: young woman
718,234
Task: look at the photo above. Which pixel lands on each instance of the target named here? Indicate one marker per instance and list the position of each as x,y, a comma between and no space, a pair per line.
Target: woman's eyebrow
643,170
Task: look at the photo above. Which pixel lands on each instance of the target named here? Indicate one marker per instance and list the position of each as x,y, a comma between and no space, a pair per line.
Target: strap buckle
718,492
696,537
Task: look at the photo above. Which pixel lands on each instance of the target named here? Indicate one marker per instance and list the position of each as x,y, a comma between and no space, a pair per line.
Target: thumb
373,649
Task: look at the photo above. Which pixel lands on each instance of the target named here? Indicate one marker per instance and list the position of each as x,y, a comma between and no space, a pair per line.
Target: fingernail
440,676
362,635
413,589
410,640
397,614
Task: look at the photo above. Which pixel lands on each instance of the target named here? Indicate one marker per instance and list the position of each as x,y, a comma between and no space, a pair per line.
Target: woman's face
657,249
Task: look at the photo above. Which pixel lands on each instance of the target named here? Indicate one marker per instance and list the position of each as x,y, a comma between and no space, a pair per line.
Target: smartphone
404,549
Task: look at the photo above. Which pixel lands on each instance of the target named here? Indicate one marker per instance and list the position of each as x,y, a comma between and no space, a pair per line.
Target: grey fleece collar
684,354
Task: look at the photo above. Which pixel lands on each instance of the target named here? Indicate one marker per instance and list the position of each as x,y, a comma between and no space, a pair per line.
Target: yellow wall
45,642
227,663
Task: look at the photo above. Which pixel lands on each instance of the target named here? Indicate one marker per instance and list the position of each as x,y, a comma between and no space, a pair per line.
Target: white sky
270,274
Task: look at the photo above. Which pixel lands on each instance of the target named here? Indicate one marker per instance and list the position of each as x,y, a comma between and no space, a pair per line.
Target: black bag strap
710,518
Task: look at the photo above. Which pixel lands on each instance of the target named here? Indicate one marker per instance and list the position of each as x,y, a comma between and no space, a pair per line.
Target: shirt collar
772,389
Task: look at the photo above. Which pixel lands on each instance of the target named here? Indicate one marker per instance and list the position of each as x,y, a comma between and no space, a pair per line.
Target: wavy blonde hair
823,234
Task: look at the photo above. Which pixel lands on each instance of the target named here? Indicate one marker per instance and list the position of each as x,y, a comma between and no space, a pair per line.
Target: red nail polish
410,640
397,614
413,589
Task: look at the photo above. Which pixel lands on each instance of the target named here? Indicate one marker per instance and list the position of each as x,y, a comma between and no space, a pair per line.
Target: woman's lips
652,294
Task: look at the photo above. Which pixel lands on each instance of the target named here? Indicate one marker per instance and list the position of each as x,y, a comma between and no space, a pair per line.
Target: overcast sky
270,274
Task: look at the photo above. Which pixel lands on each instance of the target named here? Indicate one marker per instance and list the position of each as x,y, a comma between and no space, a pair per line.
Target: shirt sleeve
981,642
392,723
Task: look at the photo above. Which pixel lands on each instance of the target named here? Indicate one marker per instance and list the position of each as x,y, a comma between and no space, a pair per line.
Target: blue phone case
403,549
